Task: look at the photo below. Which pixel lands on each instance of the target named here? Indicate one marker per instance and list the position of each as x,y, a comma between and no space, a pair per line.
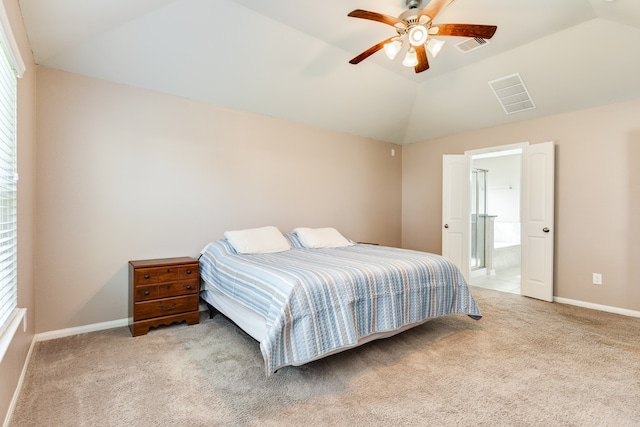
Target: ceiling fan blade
367,53
433,8
463,30
379,17
423,62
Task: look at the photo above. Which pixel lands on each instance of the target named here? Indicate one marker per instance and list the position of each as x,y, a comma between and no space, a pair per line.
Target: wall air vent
512,94
471,44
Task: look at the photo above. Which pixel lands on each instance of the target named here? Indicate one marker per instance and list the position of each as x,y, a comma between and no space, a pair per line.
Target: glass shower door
478,218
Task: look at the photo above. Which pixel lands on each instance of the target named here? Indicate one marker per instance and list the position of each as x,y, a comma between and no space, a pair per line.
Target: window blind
8,187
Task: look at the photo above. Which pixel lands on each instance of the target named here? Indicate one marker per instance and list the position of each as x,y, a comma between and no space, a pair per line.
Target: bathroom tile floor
505,281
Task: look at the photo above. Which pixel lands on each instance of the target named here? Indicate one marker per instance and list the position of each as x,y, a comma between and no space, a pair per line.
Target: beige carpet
526,363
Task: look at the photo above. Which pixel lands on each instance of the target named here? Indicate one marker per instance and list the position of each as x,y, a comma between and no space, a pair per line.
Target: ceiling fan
415,26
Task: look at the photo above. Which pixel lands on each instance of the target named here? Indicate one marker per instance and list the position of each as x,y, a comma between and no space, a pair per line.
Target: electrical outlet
597,279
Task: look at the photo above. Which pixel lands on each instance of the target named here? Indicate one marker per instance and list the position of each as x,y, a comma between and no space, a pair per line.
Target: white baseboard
16,393
600,307
60,333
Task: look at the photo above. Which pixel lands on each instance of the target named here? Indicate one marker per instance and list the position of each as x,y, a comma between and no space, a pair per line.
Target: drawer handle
188,286
168,308
188,271
146,276
168,270
146,292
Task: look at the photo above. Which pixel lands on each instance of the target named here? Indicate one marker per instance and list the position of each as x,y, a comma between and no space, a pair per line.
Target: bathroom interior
495,221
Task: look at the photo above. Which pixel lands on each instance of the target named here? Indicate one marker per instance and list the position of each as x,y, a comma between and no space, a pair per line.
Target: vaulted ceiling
289,59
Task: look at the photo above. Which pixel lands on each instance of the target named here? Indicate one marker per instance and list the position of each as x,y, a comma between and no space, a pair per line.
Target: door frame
488,151
497,149
522,146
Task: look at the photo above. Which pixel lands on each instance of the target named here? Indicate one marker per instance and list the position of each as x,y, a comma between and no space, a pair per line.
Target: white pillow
321,238
258,240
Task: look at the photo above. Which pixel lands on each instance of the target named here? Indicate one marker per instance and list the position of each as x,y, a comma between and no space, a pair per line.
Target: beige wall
14,360
127,174
597,196
124,174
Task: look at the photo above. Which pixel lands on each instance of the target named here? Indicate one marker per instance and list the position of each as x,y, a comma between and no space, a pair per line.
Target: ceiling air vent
512,94
471,44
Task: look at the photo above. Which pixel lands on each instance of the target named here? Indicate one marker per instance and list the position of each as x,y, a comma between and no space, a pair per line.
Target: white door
456,214
537,221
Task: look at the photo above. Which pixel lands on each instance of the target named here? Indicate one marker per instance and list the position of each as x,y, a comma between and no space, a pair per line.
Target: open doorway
495,220
534,197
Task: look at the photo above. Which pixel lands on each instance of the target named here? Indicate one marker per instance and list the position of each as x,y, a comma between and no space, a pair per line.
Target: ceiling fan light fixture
418,35
414,28
411,59
434,46
392,48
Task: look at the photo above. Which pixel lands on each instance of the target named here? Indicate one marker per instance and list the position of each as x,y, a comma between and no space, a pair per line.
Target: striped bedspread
317,301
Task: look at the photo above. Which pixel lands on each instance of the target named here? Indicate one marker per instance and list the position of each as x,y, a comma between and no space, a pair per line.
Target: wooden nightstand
163,291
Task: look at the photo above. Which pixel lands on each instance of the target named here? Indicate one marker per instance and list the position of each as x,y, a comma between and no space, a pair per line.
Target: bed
306,299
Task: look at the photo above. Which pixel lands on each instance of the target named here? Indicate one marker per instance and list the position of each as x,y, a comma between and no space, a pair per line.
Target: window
8,178
11,67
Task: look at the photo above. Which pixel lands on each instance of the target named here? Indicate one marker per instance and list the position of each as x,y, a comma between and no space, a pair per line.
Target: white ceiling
289,59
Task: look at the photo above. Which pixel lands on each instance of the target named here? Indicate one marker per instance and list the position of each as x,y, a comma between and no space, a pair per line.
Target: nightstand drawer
146,292
164,274
175,289
189,272
145,276
168,274
165,307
